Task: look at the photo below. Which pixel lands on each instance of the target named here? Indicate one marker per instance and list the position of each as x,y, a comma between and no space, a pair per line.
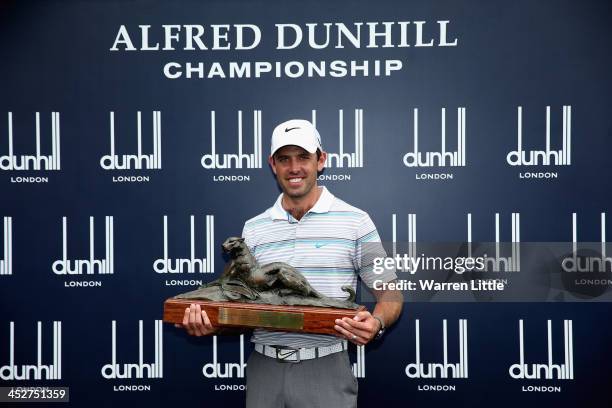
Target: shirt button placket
301,239
294,241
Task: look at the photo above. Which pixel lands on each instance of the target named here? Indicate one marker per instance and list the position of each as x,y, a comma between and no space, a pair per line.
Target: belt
296,355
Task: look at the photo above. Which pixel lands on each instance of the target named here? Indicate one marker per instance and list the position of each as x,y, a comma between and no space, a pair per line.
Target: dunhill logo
6,264
577,263
548,371
342,158
192,264
561,157
499,263
39,371
359,365
38,162
236,161
140,369
140,160
89,266
439,159
412,242
446,369
227,370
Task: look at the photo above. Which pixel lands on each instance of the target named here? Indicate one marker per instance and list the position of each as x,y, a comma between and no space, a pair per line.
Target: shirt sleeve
368,248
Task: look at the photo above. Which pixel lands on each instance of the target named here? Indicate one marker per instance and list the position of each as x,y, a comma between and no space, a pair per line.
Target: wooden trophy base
305,319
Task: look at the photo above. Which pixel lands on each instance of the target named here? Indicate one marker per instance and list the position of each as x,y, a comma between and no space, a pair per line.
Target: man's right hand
196,322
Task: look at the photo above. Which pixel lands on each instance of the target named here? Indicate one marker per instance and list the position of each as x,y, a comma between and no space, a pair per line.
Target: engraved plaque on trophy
307,319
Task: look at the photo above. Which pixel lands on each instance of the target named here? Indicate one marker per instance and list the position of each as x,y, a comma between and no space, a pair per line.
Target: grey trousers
324,382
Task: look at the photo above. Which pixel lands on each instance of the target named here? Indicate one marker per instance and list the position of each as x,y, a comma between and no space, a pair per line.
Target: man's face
296,170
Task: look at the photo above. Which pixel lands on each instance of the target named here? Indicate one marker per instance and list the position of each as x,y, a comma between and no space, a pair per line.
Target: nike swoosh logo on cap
288,129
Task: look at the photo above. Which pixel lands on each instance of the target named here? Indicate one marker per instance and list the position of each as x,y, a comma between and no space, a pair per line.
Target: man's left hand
360,329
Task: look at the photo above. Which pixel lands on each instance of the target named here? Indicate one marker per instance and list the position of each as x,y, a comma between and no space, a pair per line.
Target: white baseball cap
296,132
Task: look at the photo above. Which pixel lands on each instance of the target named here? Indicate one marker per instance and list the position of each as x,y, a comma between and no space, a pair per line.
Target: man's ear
272,164
321,161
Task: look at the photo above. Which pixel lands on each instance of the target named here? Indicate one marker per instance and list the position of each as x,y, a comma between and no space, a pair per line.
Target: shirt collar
323,205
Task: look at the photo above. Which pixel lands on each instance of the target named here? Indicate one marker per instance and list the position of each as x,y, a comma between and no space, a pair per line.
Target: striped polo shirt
325,245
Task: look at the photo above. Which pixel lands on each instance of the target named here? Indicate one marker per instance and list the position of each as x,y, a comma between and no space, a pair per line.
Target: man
327,240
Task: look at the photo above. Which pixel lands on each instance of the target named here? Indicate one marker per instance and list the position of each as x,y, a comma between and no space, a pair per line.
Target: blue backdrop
80,80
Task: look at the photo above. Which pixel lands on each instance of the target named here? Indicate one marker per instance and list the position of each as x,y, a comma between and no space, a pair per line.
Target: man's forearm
388,306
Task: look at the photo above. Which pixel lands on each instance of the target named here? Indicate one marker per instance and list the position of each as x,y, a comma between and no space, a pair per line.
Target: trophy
274,296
